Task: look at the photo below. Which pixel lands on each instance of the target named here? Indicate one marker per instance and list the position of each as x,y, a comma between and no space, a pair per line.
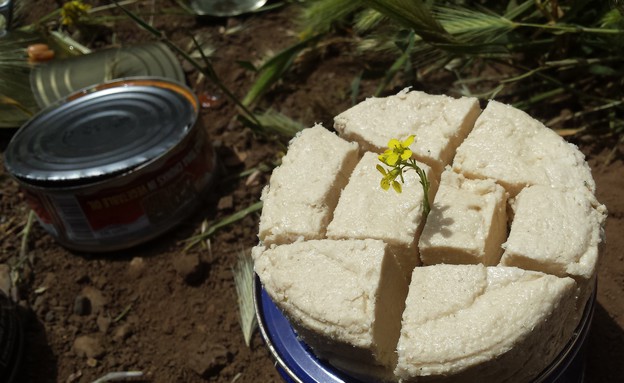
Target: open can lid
102,131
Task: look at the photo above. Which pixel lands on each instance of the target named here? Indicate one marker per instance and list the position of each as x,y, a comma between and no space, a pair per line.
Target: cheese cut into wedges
555,231
303,191
511,147
344,299
338,263
471,323
467,223
365,210
440,123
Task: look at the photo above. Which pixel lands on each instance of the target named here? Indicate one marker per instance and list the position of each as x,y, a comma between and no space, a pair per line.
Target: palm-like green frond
470,25
320,16
416,15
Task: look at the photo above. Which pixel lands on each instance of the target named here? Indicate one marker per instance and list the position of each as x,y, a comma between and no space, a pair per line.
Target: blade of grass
275,122
275,68
116,376
399,64
222,223
243,281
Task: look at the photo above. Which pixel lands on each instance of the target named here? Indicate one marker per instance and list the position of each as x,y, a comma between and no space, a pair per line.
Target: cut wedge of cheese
303,191
467,223
344,299
555,231
469,323
440,124
511,147
365,210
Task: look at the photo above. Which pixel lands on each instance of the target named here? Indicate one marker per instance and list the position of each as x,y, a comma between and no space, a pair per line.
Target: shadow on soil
605,349
36,352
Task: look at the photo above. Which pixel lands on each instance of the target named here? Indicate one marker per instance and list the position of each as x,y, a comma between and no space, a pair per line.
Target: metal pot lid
102,131
59,78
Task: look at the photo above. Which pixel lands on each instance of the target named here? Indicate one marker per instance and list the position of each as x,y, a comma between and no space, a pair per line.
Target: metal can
115,164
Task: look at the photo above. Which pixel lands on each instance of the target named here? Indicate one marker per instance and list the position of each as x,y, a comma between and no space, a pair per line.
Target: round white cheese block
489,287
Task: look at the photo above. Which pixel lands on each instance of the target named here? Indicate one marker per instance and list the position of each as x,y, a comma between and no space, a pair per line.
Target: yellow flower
397,151
73,12
389,178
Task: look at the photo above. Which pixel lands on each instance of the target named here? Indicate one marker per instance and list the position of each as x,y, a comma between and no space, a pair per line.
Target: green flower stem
424,182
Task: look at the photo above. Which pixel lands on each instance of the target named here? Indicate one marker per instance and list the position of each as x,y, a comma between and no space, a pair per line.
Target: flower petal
394,143
408,141
392,159
396,186
406,155
385,184
381,170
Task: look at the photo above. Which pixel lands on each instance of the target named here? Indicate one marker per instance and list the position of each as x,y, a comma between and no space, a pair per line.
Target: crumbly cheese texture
463,323
337,252
467,223
511,147
440,123
556,231
303,191
365,210
344,298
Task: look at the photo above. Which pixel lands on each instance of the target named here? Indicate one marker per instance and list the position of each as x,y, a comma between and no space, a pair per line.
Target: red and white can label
131,206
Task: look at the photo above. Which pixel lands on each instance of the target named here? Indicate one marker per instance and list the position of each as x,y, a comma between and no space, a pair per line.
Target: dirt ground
173,313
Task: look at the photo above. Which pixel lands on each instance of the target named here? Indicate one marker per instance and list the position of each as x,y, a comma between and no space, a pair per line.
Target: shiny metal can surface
115,164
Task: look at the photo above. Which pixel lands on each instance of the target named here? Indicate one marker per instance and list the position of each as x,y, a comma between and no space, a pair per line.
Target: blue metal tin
296,363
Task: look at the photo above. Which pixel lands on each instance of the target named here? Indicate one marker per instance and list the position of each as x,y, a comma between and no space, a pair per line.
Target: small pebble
5,279
136,267
225,203
209,360
103,323
82,305
189,267
88,346
122,332
49,317
96,298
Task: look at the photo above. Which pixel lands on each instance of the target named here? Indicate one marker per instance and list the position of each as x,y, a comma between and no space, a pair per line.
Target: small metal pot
296,363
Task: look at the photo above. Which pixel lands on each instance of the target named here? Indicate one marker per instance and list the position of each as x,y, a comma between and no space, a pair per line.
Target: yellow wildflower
74,12
389,178
399,157
397,151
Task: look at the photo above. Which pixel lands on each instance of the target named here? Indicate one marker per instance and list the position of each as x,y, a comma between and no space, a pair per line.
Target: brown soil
145,312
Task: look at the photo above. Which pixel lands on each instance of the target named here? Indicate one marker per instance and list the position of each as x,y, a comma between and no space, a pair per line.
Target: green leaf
320,16
602,70
224,222
247,65
396,66
274,69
